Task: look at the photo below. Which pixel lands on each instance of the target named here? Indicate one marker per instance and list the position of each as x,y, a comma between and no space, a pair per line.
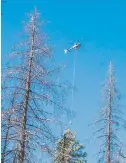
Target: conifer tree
30,92
110,121
68,149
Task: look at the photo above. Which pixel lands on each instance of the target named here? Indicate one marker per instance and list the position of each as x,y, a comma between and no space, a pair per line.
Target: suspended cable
73,84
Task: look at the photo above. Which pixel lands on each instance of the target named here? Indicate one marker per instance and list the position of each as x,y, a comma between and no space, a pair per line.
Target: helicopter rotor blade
70,43
81,38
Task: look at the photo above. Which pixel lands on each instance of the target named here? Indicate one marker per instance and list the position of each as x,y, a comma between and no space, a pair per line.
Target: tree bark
108,157
26,100
6,140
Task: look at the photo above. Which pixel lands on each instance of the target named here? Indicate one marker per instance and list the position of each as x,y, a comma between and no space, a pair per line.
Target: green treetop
68,149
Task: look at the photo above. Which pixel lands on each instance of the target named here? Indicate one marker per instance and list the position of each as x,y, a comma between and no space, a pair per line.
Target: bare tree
31,91
6,127
110,121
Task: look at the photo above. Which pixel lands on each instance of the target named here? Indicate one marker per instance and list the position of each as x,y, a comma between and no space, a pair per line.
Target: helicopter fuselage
75,46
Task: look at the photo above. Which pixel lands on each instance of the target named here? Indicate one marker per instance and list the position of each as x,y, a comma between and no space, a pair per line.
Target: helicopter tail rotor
65,51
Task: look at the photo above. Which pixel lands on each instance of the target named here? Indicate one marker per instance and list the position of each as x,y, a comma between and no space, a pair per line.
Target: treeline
33,100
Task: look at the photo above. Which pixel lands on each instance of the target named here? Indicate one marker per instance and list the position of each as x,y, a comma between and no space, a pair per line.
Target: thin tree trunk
7,134
109,122
27,95
14,161
6,140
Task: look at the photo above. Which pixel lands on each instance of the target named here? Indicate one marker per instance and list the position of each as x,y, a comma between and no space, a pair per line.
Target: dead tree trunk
26,99
109,117
109,121
6,140
8,125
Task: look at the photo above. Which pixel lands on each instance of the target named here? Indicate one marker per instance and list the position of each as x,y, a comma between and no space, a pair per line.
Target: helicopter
75,46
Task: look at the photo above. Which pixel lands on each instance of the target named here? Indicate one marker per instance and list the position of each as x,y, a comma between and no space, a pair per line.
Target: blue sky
102,25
